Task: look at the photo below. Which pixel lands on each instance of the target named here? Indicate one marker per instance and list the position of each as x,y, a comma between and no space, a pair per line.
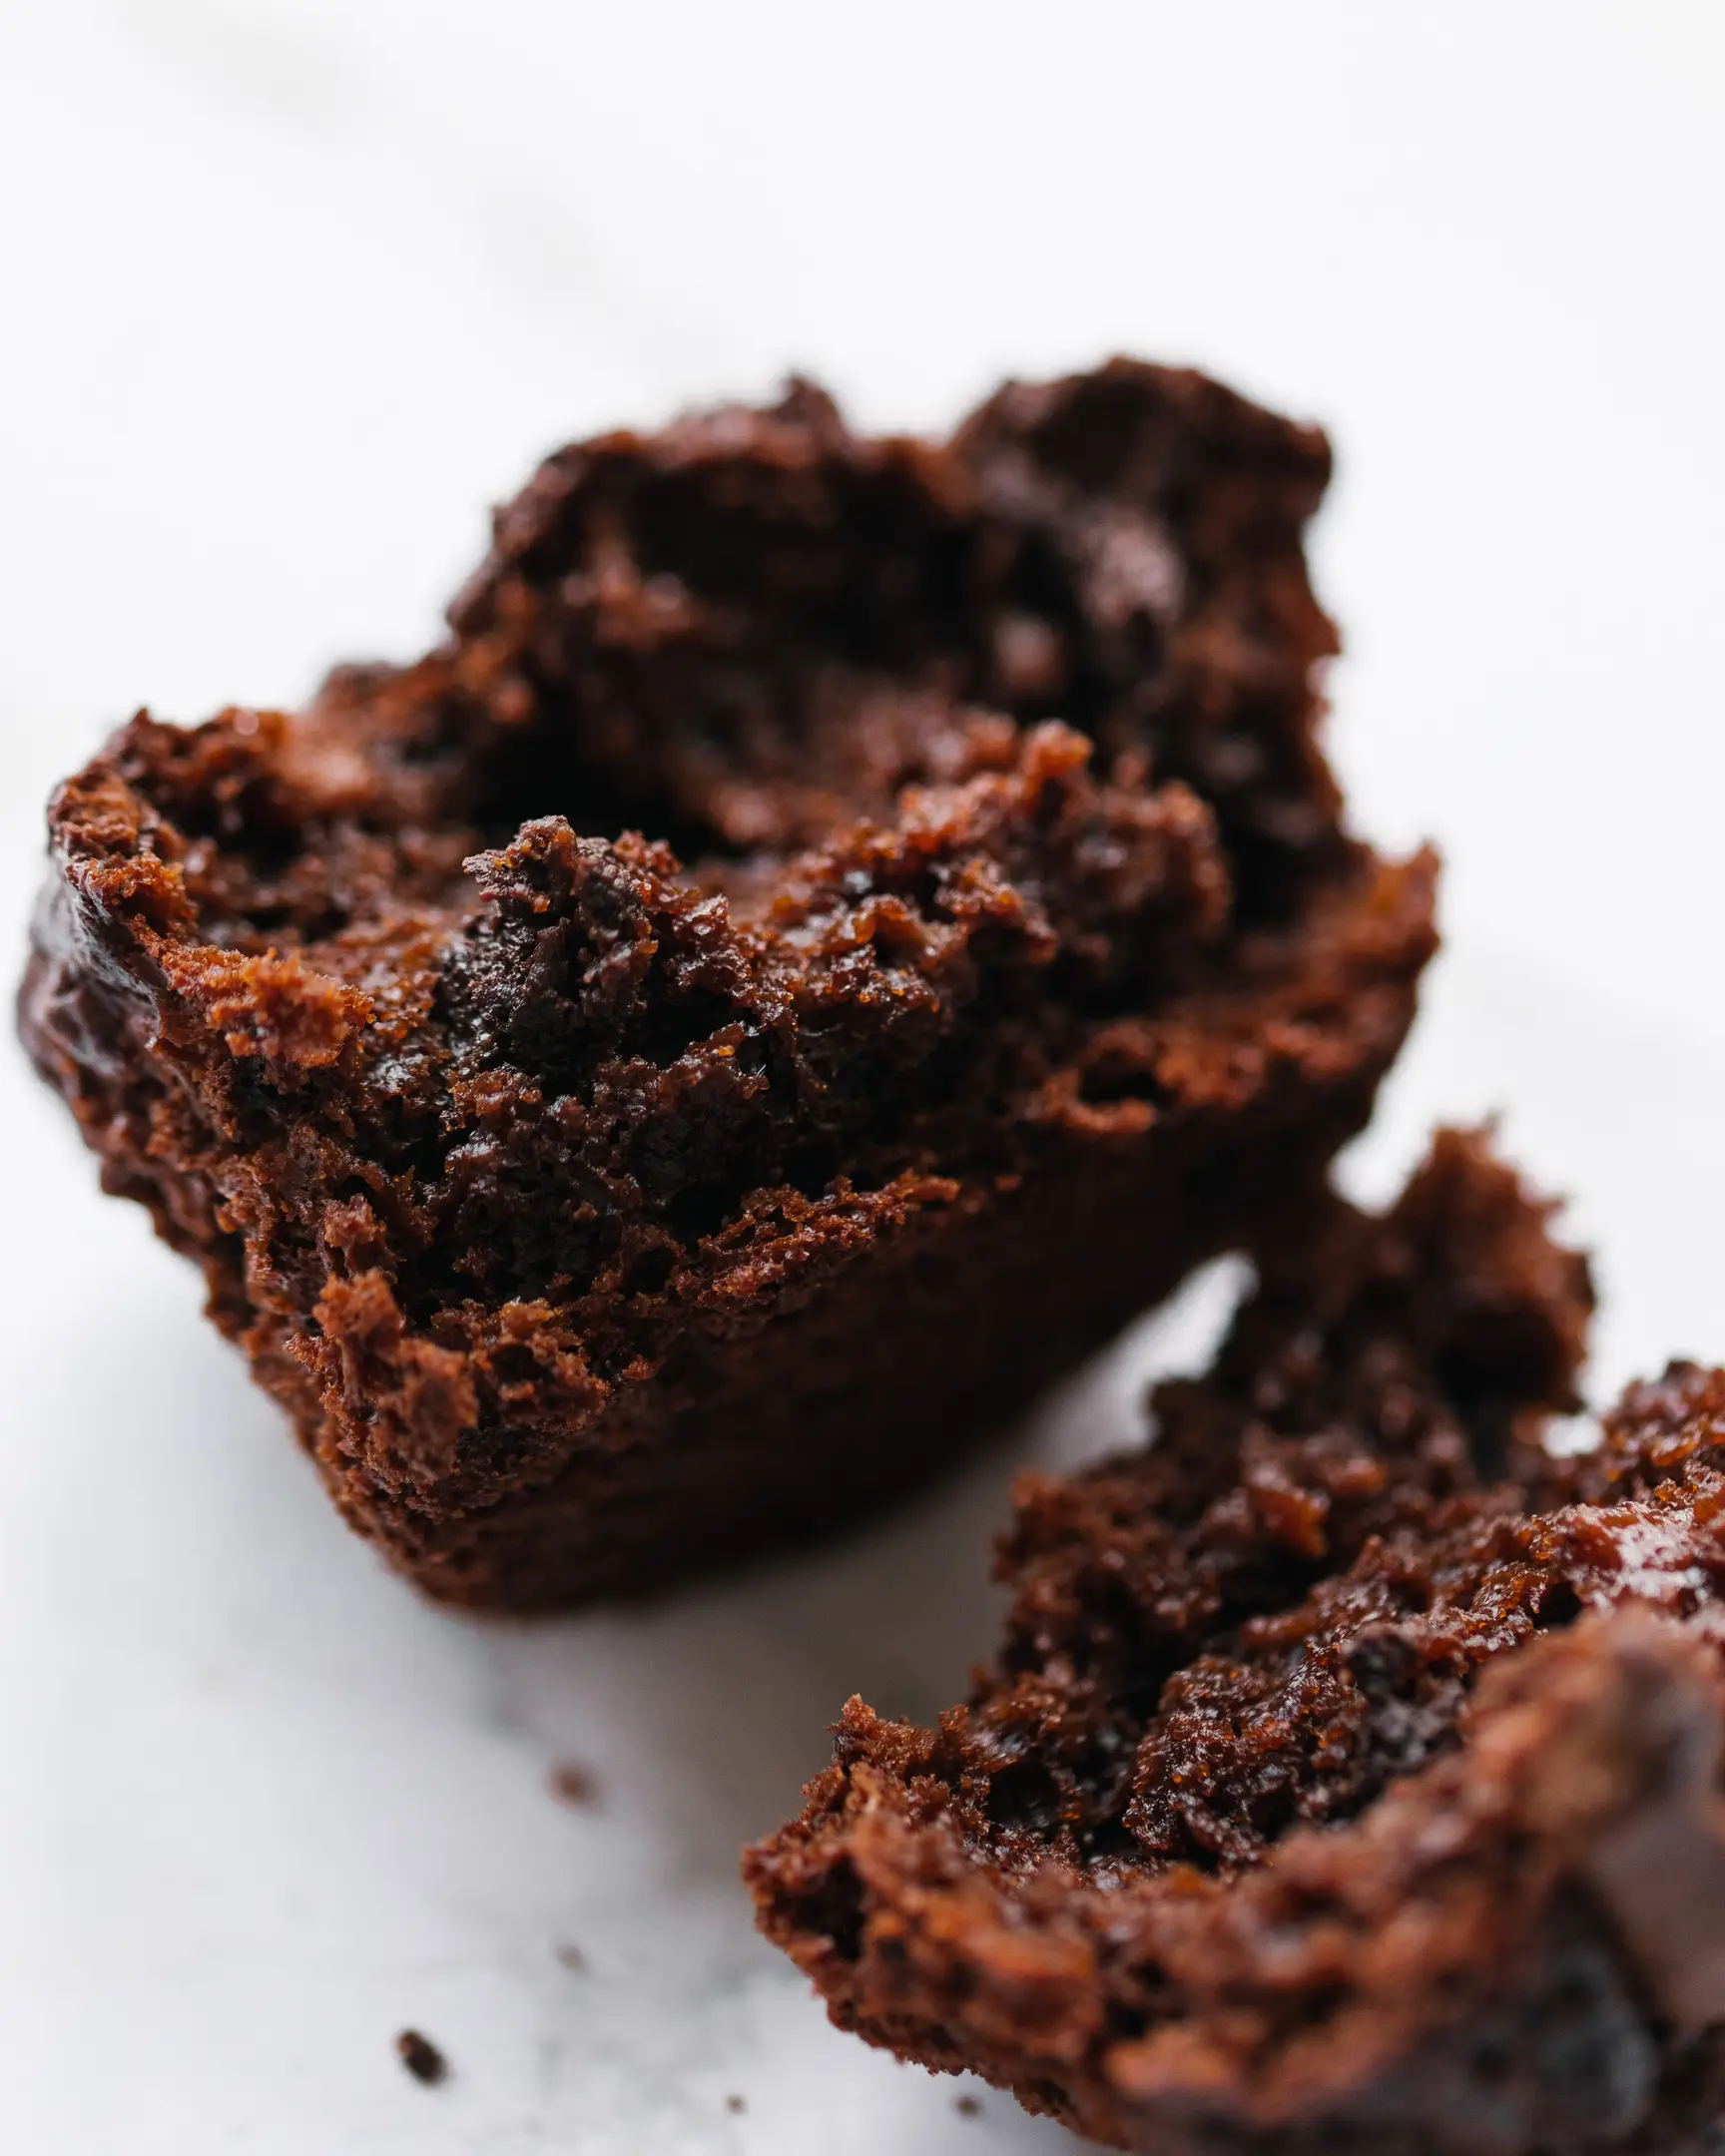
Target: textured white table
289,291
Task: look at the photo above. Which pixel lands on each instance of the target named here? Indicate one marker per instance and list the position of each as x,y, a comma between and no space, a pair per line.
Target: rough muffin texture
838,926
1350,1774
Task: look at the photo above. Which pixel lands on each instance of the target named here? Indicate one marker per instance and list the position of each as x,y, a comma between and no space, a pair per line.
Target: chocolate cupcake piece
1349,1776
838,926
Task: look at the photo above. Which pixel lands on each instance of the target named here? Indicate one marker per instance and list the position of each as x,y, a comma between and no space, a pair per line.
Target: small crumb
571,1955
966,2108
573,1784
735,2103
421,2058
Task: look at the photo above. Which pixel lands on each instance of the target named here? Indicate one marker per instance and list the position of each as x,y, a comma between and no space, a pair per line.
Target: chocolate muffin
838,926
1348,1778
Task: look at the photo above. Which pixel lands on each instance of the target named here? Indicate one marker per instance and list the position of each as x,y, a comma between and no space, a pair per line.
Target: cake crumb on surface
573,1784
421,2058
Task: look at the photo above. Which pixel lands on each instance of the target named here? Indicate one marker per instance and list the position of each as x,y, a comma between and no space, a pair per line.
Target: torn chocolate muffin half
838,926
1348,1778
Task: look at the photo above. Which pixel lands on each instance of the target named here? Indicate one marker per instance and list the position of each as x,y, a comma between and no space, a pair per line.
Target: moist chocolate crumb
736,2104
966,2106
575,1784
571,1957
1349,1777
421,2058
837,928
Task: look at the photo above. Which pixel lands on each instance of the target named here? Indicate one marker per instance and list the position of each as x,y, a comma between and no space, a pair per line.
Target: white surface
289,291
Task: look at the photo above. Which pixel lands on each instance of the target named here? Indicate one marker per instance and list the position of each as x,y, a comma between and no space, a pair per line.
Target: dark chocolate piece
840,927
1350,1774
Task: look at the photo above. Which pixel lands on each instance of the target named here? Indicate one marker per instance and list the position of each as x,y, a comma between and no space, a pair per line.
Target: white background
289,292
